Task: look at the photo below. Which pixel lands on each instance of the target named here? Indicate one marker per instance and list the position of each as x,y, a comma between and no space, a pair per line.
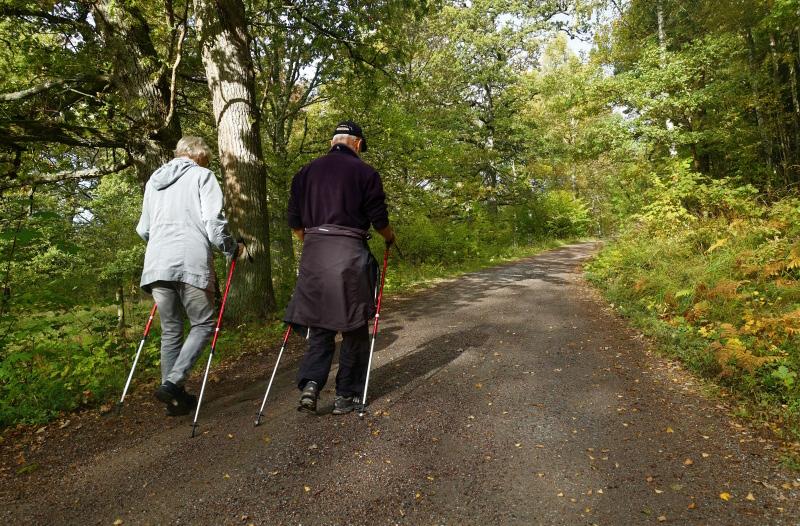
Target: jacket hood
171,172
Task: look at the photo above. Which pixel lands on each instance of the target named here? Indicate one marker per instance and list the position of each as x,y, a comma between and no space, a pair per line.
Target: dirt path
510,396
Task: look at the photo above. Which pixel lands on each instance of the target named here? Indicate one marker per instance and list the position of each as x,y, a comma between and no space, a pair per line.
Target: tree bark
225,45
766,139
140,75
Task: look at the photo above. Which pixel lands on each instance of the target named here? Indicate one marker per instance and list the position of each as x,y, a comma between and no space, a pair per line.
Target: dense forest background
674,134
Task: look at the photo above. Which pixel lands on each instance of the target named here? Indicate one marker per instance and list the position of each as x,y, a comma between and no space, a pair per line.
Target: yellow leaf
750,496
717,244
118,522
306,488
670,430
725,496
478,386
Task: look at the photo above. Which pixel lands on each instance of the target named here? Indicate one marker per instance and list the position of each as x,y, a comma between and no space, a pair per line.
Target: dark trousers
353,360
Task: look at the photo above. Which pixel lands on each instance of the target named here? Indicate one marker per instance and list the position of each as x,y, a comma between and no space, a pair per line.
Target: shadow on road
428,357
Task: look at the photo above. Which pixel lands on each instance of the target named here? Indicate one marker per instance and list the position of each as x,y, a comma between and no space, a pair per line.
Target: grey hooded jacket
182,219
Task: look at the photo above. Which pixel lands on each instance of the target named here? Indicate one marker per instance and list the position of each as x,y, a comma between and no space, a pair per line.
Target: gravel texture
512,395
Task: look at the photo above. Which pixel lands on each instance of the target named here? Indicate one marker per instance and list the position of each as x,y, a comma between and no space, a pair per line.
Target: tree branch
34,90
67,175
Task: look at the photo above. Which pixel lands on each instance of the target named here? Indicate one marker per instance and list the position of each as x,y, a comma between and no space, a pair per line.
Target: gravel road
512,395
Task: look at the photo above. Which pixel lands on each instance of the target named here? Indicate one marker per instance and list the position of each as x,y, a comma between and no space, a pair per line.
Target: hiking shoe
344,404
186,404
308,399
169,393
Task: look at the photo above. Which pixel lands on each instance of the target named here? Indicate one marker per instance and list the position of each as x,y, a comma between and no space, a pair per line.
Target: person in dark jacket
333,201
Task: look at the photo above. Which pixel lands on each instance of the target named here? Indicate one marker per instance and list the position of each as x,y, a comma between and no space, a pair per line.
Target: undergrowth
714,276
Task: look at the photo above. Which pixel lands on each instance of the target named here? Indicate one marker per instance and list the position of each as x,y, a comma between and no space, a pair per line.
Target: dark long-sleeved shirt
338,189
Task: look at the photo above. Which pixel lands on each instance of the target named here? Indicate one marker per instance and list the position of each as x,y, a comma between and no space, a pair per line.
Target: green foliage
715,276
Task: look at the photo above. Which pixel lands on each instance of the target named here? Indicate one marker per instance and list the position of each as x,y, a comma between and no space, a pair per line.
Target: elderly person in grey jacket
182,220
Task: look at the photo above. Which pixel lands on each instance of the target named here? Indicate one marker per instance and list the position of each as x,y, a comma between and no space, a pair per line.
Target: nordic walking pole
213,344
271,378
136,358
363,411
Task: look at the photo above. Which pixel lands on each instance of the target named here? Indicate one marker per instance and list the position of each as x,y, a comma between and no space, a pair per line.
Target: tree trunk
141,76
766,139
225,45
662,49
782,136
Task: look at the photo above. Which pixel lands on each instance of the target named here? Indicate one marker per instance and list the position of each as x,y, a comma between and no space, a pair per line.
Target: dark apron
336,285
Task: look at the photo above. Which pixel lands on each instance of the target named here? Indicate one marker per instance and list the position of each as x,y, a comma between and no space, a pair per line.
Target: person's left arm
143,228
293,209
213,215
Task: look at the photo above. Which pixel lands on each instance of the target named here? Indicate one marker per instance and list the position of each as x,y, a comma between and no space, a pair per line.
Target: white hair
193,147
344,137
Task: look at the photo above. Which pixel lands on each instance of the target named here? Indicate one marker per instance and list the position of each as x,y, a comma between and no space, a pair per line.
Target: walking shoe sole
167,398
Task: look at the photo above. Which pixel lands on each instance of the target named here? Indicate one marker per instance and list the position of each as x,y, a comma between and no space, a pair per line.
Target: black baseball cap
351,128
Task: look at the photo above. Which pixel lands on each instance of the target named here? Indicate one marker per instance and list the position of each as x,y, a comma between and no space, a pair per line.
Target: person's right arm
375,207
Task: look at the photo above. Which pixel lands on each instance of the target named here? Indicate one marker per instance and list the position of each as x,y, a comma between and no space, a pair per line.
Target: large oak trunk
229,69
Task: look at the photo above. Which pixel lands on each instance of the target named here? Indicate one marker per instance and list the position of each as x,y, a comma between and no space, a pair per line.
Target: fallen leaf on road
560,495
226,476
670,430
306,488
705,455
688,462
691,506
478,386
750,496
725,496
659,491
117,522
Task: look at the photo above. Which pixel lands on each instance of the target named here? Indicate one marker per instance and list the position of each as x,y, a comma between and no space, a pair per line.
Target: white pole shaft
271,378
202,388
133,368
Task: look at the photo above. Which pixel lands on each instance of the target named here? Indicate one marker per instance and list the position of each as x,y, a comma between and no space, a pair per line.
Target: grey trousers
174,299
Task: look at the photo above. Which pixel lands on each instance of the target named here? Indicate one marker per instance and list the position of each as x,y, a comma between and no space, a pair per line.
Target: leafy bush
716,276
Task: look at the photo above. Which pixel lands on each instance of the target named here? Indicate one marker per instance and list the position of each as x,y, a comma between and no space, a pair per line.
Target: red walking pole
213,344
136,358
362,410
271,378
